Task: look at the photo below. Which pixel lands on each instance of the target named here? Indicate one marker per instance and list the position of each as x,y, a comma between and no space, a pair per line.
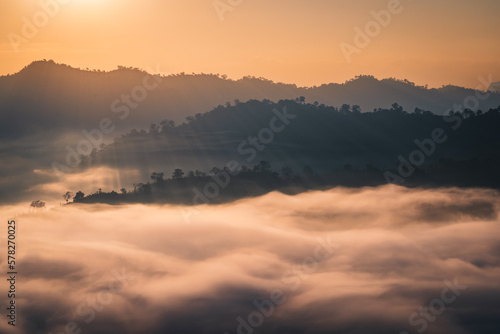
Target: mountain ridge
73,99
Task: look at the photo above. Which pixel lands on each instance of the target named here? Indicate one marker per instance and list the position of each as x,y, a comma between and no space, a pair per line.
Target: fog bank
338,261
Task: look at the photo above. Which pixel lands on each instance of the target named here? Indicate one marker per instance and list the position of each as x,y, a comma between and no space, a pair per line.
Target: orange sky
294,41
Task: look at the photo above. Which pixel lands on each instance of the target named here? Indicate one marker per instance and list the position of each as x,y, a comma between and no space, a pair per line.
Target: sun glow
101,33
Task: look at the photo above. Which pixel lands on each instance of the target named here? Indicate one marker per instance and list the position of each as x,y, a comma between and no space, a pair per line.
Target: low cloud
396,248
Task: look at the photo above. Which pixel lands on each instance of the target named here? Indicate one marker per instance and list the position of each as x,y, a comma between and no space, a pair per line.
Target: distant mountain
46,96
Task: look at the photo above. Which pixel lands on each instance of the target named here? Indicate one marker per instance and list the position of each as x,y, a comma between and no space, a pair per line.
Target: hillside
324,138
46,96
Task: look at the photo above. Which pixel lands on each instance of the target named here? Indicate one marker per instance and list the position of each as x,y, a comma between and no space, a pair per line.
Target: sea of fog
371,260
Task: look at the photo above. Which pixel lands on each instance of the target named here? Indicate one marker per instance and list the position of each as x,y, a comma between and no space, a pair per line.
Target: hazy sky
295,41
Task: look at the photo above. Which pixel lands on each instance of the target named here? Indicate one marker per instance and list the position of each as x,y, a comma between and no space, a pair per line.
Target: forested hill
294,133
291,147
46,96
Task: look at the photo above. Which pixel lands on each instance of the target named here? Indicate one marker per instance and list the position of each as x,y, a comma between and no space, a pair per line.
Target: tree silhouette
167,125
198,173
396,107
177,174
468,113
154,129
157,177
214,171
78,196
37,204
262,167
67,196
345,109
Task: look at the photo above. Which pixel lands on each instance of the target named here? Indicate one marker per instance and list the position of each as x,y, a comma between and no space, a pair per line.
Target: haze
389,252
